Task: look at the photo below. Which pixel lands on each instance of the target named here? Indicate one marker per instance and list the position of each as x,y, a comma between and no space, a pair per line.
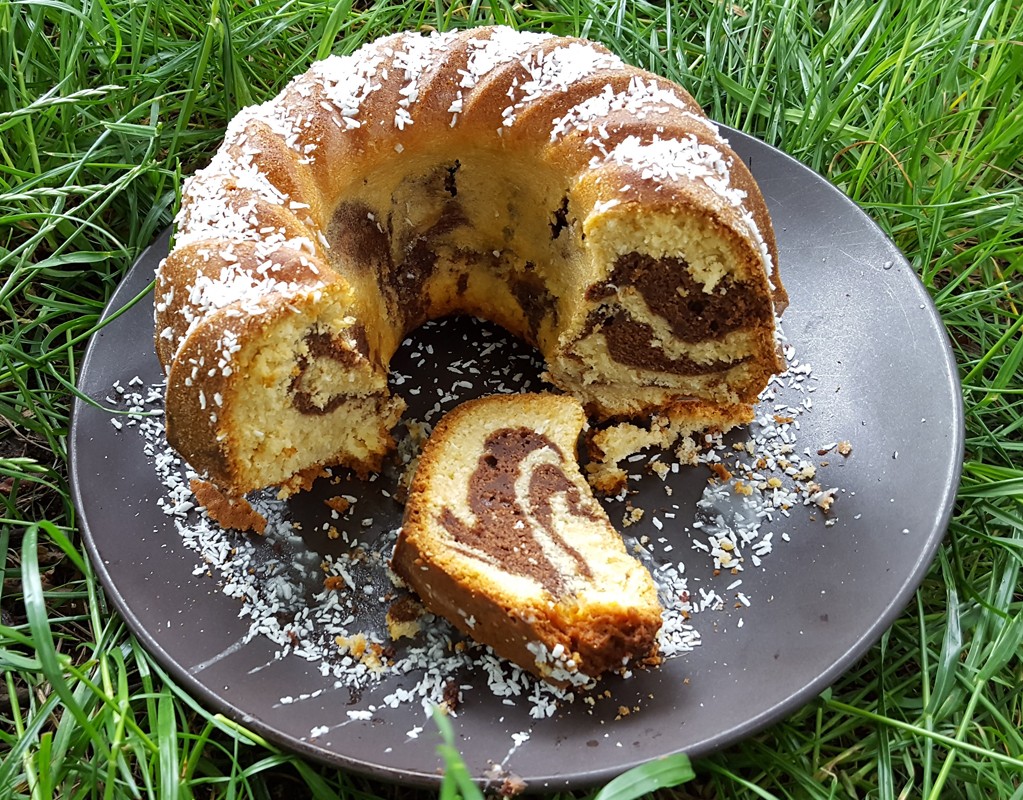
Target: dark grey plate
886,381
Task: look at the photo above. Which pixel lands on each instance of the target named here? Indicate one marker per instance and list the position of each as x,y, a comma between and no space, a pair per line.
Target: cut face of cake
503,537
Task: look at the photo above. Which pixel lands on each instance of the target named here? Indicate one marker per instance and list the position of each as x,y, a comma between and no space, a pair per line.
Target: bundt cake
502,536
536,181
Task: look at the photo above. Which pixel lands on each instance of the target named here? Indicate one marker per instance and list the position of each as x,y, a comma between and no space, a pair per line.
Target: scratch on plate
209,662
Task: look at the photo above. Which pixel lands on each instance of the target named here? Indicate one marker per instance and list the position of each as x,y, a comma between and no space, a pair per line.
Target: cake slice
503,537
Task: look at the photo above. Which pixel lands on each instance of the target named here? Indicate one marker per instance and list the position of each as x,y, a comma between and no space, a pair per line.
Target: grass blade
457,780
42,636
661,773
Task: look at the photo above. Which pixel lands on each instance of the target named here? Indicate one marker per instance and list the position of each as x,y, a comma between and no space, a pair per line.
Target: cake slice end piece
503,537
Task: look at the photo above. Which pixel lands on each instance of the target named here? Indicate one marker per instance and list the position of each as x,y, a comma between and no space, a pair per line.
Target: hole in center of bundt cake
437,243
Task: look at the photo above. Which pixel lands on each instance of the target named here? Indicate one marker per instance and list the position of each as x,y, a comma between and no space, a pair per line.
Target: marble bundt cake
502,537
536,181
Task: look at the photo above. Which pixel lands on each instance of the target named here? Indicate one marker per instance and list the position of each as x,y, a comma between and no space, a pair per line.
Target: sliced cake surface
503,537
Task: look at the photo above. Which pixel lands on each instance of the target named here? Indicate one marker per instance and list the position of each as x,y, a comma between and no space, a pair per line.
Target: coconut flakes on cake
639,100
556,71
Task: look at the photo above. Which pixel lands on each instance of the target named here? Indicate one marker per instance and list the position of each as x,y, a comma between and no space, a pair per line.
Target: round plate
885,381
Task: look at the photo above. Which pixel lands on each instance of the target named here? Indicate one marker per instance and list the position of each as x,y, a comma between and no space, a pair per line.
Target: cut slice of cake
503,537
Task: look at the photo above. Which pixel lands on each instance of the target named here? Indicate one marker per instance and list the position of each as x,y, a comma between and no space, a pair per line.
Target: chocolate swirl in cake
511,494
321,346
672,293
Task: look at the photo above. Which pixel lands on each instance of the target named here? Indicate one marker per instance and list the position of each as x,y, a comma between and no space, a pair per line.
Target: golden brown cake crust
229,512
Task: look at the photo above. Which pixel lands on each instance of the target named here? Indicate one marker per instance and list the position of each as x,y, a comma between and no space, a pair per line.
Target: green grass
912,108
